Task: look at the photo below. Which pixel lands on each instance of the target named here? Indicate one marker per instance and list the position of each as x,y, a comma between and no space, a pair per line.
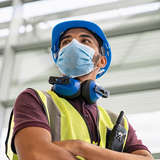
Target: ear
102,62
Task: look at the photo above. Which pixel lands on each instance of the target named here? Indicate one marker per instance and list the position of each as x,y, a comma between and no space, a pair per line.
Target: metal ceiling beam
133,24
2,115
130,88
8,3
88,10
140,23
1,51
5,4
135,65
9,53
82,11
32,46
128,26
44,44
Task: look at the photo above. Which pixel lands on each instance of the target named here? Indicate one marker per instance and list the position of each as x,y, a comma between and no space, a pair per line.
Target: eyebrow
86,35
64,37
69,36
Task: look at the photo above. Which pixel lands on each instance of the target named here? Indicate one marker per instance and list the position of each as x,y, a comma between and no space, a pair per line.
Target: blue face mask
75,59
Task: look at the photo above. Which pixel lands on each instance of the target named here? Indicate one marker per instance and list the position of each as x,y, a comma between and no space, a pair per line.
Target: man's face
87,38
83,36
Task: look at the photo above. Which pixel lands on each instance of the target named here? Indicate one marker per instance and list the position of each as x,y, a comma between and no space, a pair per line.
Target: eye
65,42
86,41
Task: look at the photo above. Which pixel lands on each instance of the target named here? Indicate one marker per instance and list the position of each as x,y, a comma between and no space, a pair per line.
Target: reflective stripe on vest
9,152
66,123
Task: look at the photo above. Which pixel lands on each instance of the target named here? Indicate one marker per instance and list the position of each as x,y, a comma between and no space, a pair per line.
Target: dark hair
99,40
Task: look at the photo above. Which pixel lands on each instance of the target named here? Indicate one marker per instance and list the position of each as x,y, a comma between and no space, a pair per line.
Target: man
65,122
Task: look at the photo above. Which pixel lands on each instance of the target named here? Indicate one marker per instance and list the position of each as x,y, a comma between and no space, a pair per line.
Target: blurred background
133,31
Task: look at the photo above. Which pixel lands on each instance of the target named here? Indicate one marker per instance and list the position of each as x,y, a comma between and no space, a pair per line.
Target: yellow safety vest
66,123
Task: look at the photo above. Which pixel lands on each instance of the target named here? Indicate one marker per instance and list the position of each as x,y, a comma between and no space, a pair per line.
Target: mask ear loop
103,54
96,59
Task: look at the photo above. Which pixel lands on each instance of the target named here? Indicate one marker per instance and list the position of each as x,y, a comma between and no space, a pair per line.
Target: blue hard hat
60,28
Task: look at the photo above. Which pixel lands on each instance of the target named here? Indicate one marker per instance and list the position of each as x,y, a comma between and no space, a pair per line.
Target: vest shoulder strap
52,113
113,116
9,150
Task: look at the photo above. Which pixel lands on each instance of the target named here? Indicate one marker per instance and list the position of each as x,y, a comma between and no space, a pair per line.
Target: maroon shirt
28,112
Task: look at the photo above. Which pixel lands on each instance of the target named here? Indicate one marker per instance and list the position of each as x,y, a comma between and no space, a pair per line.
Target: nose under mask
75,59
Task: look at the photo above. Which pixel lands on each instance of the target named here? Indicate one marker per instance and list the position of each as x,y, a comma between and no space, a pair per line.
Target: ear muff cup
70,90
87,91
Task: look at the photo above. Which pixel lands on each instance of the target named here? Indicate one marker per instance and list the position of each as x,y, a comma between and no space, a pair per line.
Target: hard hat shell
60,28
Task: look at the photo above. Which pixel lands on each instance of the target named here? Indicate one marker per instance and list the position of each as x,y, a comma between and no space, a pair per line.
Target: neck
90,76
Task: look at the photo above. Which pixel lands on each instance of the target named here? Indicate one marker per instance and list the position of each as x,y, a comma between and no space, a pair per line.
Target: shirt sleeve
132,142
28,112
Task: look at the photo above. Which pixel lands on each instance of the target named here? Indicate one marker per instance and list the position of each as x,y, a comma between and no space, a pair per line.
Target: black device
58,80
117,135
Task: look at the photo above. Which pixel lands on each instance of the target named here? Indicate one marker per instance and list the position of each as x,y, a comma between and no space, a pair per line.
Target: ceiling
132,29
